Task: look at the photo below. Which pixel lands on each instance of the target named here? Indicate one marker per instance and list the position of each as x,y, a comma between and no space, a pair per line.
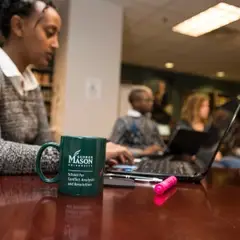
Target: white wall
93,51
60,73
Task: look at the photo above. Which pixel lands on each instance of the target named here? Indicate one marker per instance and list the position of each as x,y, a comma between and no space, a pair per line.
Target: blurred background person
231,143
195,113
160,112
136,130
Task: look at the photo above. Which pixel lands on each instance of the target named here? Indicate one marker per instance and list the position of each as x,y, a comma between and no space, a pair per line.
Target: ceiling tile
190,8
123,3
162,19
233,2
235,25
130,38
154,3
137,12
148,39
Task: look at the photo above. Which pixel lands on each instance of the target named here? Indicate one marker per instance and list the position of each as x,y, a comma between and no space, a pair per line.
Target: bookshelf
45,79
220,98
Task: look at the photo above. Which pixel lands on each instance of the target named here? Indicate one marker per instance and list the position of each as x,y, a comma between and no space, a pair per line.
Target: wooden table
30,209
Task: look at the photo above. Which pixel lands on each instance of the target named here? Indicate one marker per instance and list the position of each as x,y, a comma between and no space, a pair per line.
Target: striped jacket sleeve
18,158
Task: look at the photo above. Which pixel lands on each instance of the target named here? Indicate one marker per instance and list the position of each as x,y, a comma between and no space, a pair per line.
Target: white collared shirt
11,71
134,113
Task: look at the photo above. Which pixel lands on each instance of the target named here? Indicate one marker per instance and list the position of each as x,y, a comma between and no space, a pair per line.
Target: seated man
136,130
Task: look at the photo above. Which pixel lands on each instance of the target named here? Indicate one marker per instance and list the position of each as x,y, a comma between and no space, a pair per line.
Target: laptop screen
221,133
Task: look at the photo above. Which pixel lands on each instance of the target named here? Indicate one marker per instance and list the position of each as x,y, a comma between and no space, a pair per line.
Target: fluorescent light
220,74
169,65
209,20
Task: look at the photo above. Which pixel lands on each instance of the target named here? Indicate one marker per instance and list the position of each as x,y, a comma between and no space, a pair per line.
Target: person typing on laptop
136,130
195,116
187,168
195,113
231,143
30,30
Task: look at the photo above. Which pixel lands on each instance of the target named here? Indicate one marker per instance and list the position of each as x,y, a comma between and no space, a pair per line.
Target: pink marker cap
160,188
159,200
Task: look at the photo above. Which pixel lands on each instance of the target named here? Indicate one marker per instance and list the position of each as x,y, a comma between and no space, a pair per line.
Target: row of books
47,94
44,79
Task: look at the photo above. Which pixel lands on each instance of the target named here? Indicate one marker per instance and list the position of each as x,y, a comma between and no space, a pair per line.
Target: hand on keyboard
186,157
152,149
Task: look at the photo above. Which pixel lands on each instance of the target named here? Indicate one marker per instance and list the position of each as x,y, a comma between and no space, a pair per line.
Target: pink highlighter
159,200
160,188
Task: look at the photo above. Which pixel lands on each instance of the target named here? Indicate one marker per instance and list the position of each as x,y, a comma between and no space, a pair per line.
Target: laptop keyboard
166,166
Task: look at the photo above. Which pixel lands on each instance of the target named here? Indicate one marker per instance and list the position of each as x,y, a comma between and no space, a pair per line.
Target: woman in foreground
30,29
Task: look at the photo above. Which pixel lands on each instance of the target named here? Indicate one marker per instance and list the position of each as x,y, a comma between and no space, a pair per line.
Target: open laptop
176,144
184,168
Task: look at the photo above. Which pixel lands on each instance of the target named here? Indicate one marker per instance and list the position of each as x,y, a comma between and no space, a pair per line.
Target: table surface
30,209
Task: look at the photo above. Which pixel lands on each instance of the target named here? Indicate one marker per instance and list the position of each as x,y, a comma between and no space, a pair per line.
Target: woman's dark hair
23,8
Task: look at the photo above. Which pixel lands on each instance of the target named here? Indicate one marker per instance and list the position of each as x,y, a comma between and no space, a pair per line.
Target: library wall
88,67
60,72
45,79
181,84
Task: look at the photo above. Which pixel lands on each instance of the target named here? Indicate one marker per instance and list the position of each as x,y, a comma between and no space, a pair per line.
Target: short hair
23,8
191,106
135,94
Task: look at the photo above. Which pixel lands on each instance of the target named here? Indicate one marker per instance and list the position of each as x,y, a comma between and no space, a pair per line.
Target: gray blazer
23,127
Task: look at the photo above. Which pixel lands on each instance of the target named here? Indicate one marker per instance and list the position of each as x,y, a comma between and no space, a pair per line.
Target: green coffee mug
81,165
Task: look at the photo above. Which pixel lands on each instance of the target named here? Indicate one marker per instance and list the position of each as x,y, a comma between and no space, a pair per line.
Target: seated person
195,113
32,27
195,116
231,143
136,130
160,105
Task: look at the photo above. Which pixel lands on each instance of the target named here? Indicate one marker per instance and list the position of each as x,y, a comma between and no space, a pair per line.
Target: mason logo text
79,160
